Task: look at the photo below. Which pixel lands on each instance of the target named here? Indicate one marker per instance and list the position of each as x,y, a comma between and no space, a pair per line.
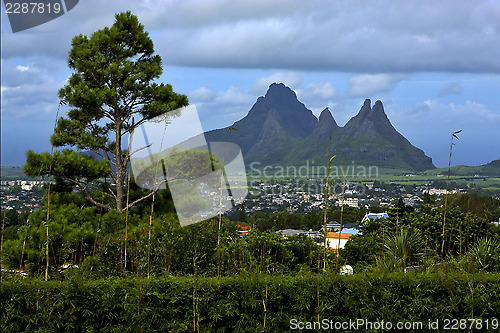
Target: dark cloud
358,36
354,36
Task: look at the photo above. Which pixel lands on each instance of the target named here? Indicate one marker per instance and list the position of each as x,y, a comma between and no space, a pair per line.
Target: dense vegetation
250,303
141,243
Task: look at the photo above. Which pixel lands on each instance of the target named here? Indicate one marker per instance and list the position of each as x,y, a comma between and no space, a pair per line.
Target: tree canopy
111,92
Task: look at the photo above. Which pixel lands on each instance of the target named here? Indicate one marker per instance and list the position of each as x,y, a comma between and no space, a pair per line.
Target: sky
435,65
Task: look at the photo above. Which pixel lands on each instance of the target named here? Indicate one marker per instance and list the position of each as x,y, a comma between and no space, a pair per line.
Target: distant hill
491,169
280,130
14,173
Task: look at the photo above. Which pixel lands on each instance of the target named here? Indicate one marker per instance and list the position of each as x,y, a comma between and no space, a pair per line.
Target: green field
484,180
12,173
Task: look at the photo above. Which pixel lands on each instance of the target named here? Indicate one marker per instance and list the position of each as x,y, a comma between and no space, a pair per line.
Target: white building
335,240
351,202
26,187
438,191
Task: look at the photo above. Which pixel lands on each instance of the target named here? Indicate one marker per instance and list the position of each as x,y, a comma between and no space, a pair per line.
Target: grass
12,173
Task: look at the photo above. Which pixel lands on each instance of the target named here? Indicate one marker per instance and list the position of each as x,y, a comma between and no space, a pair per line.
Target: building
351,202
243,231
373,216
438,191
412,201
332,240
26,187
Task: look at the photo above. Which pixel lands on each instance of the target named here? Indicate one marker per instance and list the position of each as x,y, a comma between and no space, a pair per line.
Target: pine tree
111,92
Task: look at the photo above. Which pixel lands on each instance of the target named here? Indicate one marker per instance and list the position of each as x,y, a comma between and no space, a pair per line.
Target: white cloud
354,36
320,89
429,124
434,112
202,94
233,96
292,80
473,112
22,68
367,85
29,93
222,108
317,95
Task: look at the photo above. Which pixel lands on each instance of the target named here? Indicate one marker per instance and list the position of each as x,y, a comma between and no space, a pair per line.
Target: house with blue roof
374,216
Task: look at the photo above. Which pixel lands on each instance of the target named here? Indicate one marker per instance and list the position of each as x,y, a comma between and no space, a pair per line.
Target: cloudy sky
435,65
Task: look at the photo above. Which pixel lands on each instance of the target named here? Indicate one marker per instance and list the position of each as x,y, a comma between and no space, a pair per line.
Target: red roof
243,227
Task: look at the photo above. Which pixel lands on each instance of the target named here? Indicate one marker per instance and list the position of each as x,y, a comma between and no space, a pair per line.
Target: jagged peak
327,117
325,114
378,106
280,90
366,108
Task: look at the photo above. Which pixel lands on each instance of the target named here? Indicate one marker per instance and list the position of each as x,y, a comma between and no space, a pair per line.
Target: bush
255,303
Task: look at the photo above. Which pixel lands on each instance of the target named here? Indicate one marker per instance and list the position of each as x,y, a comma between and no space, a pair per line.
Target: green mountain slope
491,169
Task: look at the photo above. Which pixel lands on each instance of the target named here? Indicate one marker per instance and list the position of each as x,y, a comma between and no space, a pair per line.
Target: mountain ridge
279,129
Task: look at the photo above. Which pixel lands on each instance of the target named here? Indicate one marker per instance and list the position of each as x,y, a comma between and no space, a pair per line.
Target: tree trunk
120,174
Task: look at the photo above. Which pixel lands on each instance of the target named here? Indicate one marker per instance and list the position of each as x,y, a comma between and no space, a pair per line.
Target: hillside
491,169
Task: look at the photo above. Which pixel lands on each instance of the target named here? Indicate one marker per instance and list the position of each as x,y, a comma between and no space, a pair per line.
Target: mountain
275,123
491,169
280,130
324,128
370,139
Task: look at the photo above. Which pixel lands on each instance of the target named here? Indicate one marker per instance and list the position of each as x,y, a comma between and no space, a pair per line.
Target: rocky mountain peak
286,108
279,129
324,128
278,91
326,117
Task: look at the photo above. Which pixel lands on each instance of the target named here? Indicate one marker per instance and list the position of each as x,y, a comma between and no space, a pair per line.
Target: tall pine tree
111,92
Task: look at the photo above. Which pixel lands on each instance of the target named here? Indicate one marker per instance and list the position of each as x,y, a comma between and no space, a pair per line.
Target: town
286,194
304,195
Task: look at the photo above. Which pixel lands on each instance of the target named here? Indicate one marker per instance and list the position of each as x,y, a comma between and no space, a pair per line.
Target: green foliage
485,255
464,229
76,168
95,241
403,249
241,304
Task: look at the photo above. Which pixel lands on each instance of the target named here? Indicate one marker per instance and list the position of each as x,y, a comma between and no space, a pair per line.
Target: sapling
341,217
230,128
48,197
325,217
453,136
325,203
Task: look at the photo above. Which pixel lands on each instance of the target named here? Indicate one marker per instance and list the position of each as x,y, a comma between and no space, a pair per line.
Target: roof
243,227
291,232
335,235
373,216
